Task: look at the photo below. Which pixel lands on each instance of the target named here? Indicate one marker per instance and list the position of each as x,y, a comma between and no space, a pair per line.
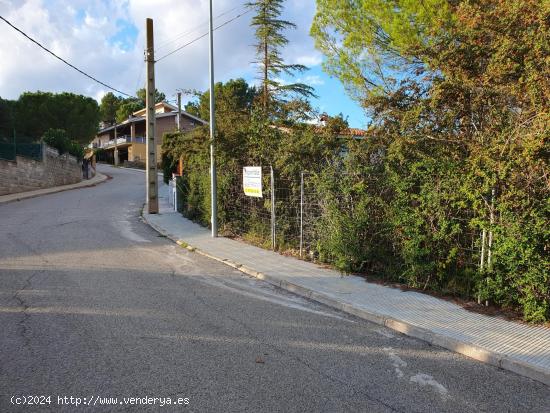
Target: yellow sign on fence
252,181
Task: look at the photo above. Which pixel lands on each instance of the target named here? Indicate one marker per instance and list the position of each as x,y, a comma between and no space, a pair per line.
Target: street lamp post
213,178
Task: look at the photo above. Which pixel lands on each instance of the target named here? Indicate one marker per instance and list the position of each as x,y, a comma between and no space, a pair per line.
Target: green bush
405,204
58,139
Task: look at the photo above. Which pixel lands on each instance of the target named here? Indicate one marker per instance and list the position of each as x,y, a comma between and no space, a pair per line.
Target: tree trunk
266,89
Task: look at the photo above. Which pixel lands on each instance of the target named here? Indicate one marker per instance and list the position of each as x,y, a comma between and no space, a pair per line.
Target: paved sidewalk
512,346
44,191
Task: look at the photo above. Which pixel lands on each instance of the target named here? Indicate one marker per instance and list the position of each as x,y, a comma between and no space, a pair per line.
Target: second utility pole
213,179
151,147
178,122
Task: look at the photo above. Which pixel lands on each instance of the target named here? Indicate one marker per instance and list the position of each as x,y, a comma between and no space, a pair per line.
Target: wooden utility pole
151,145
178,122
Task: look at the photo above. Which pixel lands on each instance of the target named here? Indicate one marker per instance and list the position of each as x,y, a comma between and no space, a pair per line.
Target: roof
136,119
346,132
353,132
160,107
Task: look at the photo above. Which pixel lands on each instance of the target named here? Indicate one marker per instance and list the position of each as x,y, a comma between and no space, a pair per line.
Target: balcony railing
120,140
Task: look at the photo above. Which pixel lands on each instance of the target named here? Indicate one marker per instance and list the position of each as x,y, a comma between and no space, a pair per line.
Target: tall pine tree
270,41
108,108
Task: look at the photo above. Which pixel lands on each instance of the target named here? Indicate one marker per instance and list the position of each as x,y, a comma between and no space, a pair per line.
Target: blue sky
126,36
105,39
333,99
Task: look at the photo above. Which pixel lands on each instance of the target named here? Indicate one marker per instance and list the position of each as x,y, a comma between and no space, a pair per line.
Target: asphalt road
95,305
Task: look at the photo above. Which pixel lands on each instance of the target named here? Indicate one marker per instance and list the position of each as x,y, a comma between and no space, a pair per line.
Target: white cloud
56,26
188,68
82,32
281,81
312,80
314,59
95,23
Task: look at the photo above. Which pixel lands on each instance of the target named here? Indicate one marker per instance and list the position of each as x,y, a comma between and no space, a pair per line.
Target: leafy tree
234,101
36,112
127,107
231,97
270,40
142,94
6,118
459,106
108,108
370,45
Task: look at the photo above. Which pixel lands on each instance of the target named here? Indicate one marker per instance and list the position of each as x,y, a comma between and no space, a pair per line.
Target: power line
183,34
203,35
139,77
64,61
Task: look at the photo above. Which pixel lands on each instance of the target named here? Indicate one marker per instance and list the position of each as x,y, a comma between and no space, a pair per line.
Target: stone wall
25,174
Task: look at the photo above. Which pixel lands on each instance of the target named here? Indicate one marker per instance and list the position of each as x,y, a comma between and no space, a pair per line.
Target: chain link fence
7,151
304,215
244,216
11,148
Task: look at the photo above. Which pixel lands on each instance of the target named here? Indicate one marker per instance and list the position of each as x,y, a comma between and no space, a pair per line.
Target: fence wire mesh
296,215
245,216
10,149
29,150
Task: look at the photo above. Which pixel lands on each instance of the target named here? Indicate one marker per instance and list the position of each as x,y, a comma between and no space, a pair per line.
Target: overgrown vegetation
457,94
58,139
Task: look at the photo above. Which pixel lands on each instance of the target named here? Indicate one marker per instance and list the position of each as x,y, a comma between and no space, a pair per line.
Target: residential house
130,134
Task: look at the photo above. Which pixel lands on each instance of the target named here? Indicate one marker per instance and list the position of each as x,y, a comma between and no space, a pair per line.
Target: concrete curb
462,347
19,196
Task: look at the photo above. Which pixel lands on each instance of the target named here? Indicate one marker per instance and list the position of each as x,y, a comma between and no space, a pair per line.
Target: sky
106,38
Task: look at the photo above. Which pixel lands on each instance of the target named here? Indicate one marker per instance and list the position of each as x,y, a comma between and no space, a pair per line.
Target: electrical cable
64,61
201,36
187,32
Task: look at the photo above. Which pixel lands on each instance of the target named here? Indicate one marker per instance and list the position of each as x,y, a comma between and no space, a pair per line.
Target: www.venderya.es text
94,400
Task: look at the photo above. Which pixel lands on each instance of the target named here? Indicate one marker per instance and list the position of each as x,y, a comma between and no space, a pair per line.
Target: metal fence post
490,241
273,235
492,222
482,258
301,212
